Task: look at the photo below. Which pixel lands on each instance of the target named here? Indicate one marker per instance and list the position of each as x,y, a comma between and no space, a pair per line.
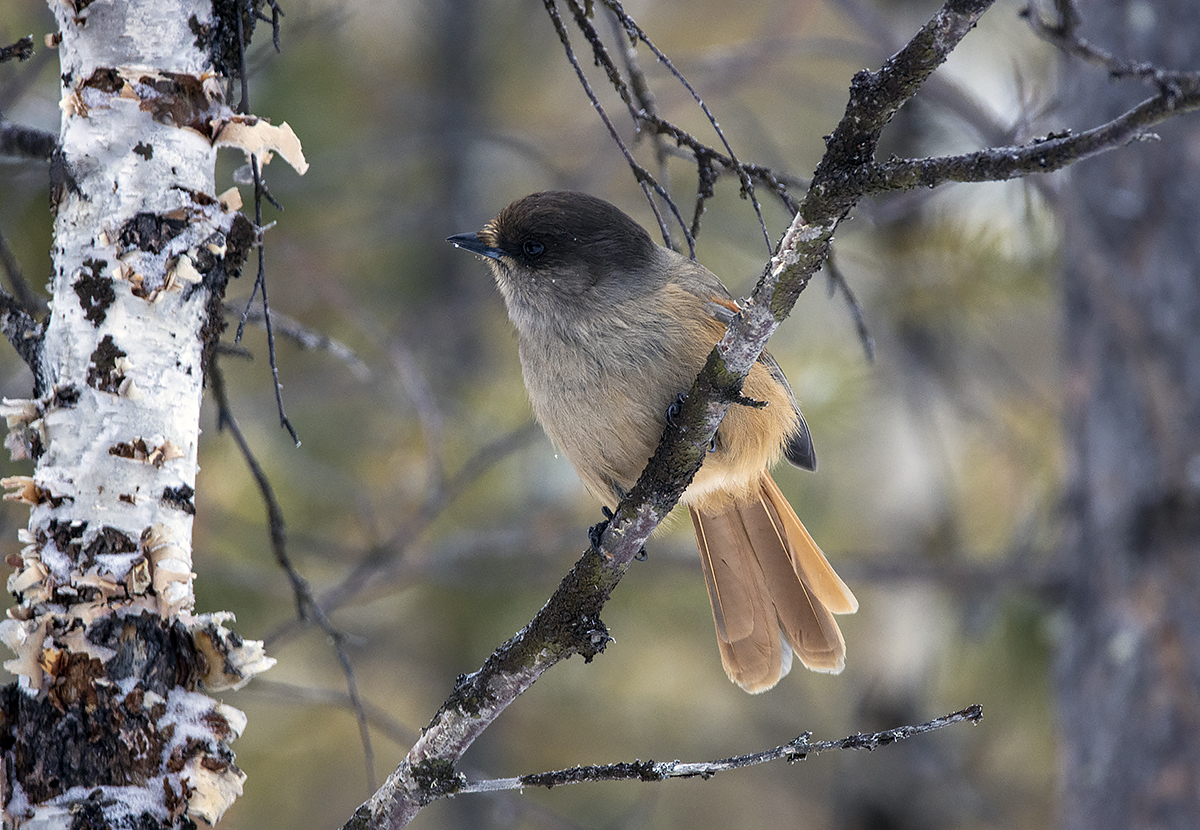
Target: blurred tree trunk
1128,672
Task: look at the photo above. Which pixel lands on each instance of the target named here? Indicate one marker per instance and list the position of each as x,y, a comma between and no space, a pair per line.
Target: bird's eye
533,248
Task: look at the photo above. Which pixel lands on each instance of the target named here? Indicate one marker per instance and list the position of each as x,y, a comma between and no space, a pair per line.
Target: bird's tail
773,592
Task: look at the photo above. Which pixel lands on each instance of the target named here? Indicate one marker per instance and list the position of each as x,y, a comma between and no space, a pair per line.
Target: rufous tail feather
766,577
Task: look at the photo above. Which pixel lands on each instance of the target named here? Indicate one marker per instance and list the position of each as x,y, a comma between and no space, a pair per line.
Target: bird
611,329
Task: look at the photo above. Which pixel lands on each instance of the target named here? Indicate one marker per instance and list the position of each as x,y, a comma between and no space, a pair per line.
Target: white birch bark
111,658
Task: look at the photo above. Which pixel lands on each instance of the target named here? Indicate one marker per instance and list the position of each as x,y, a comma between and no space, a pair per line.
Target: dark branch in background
390,552
308,339
644,177
26,142
1063,33
797,750
22,50
307,607
29,301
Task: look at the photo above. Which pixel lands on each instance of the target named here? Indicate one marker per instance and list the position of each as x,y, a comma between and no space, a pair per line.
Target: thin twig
643,95
274,19
798,750
747,182
644,177
260,192
266,306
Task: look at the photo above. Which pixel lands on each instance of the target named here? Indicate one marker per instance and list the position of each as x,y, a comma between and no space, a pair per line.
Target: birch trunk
108,721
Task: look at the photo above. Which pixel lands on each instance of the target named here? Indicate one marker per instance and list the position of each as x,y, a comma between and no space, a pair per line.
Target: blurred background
441,520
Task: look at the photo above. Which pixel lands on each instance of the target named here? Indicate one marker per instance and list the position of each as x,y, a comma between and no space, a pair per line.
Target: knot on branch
436,778
590,637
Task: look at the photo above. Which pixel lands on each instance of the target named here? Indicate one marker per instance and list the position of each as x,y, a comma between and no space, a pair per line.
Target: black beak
471,242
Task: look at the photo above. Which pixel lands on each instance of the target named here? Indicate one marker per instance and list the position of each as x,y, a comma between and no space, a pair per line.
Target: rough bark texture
107,726
1128,673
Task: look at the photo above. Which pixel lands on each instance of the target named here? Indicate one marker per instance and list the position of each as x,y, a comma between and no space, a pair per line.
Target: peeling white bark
142,253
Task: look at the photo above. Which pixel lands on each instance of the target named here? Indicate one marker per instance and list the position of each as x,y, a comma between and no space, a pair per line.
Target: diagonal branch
1043,156
569,623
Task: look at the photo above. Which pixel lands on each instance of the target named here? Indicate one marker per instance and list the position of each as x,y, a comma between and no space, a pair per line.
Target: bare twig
798,750
644,177
710,162
637,33
260,193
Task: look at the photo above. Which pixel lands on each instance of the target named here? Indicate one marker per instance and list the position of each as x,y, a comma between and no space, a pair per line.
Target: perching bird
612,328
